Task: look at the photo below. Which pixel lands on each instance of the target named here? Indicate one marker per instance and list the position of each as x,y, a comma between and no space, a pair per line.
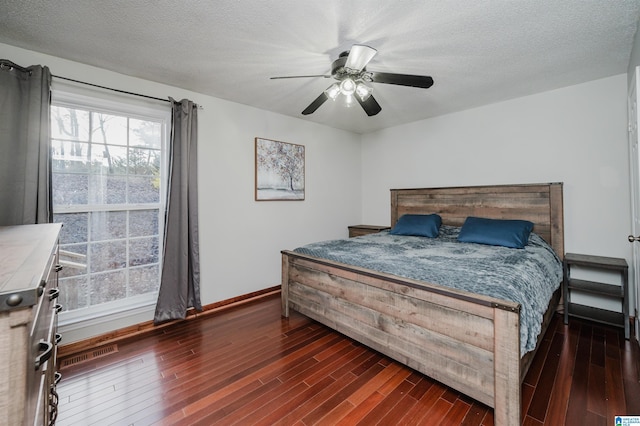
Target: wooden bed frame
467,341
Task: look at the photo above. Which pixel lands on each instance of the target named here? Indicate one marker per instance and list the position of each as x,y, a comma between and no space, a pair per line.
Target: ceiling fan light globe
349,101
333,91
347,87
363,91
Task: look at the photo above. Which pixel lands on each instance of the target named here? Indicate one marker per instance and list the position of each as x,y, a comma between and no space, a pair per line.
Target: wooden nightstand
607,291
358,230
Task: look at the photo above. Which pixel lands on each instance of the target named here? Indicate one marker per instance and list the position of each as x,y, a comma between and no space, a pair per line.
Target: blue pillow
496,232
419,225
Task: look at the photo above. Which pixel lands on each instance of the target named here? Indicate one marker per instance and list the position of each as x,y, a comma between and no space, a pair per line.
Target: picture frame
279,171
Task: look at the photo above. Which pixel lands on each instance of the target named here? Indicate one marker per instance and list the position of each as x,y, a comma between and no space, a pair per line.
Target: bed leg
507,398
284,286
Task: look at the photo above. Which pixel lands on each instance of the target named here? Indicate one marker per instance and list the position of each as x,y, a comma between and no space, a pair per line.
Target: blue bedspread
526,276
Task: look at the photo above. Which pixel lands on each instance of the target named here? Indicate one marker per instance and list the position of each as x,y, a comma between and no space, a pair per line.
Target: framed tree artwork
279,170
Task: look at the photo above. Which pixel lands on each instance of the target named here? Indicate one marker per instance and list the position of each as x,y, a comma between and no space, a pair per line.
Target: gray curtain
25,160
180,282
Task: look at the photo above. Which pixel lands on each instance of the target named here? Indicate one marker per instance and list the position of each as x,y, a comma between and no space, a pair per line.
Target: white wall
241,239
576,135
634,59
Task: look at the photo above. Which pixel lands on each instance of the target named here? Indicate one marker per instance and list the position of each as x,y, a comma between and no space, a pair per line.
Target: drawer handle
54,399
58,308
58,338
57,377
41,286
54,293
47,349
14,300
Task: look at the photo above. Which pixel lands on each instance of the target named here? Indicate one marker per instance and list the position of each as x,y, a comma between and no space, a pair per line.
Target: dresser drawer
42,328
28,322
41,362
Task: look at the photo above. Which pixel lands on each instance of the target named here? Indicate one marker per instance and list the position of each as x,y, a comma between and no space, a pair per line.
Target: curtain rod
5,63
118,90
110,88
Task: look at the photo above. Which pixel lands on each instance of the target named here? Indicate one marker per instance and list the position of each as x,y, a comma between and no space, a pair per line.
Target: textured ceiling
477,51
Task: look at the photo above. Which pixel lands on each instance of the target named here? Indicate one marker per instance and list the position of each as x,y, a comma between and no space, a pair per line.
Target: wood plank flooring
249,366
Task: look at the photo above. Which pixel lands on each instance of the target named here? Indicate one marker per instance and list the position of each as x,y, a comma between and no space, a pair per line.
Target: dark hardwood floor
247,366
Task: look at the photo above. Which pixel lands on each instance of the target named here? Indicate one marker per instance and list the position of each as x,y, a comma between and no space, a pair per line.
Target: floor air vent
89,355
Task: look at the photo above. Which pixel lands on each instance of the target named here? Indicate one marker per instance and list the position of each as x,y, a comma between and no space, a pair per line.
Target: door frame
634,176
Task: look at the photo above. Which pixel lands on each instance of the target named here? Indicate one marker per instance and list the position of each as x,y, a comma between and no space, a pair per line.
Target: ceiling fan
349,69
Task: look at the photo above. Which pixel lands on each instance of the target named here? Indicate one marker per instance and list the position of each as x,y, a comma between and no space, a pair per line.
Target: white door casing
634,160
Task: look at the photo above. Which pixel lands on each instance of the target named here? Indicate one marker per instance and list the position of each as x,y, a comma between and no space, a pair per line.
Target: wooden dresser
28,322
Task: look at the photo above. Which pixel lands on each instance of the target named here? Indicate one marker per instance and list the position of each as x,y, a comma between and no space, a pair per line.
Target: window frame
71,96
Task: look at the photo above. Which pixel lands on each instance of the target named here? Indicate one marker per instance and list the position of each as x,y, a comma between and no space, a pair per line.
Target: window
108,174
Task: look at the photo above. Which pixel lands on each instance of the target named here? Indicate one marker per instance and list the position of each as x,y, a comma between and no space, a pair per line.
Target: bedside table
608,291
358,230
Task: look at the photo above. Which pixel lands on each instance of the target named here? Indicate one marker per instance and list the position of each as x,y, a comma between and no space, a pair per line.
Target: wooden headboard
538,203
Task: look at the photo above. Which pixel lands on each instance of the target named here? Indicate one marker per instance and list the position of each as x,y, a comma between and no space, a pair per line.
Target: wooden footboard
466,341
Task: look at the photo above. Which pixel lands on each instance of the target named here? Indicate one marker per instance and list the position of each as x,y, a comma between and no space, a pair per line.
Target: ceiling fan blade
421,81
313,106
300,76
370,106
359,56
